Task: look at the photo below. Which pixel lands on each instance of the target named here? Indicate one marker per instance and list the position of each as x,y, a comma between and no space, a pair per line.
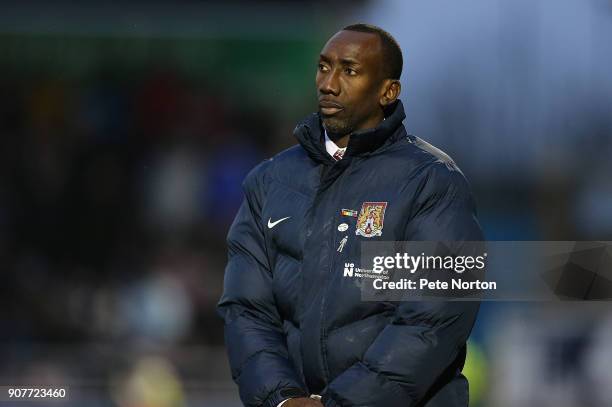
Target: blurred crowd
116,193
116,196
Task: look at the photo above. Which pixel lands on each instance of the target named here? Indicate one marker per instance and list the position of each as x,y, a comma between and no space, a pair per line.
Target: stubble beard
337,127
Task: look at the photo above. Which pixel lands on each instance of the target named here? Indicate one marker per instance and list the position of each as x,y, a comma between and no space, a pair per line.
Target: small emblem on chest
348,212
371,219
342,244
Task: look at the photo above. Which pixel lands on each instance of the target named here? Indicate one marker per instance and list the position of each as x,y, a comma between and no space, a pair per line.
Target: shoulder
426,155
284,164
429,152
257,177
435,172
292,157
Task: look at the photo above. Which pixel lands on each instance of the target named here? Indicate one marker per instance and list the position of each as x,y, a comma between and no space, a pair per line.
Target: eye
350,71
322,68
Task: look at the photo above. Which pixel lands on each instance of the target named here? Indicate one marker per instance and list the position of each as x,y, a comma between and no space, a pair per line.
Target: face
350,83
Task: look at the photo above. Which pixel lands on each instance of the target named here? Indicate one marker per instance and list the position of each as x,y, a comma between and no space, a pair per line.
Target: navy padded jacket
294,324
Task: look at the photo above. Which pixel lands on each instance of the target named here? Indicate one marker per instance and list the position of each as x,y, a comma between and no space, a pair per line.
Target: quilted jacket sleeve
425,339
254,337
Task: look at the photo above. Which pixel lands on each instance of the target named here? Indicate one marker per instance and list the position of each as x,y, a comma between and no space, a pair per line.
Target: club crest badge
371,218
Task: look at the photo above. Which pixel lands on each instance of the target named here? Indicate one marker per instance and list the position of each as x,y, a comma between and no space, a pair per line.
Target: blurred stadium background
126,129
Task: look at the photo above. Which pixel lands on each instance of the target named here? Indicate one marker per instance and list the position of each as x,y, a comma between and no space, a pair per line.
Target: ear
391,91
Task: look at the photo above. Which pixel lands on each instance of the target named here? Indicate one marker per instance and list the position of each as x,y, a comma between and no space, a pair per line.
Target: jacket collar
309,133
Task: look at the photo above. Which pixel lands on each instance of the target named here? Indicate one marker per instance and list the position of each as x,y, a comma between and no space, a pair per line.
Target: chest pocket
283,218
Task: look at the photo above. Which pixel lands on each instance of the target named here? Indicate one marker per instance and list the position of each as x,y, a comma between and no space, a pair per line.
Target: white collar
332,148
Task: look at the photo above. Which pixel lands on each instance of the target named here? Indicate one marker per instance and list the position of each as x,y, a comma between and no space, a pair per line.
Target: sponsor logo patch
352,271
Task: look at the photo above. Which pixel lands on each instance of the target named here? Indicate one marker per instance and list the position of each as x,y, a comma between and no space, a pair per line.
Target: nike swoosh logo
276,222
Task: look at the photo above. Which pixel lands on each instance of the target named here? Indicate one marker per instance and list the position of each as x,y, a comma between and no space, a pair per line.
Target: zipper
329,280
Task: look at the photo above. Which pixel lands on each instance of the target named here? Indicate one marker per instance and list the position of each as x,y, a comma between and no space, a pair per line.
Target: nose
328,83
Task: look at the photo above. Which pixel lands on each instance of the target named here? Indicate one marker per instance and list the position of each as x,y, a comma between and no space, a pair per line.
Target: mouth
328,108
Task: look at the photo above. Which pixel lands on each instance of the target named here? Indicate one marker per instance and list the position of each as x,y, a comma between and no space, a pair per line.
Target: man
296,328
